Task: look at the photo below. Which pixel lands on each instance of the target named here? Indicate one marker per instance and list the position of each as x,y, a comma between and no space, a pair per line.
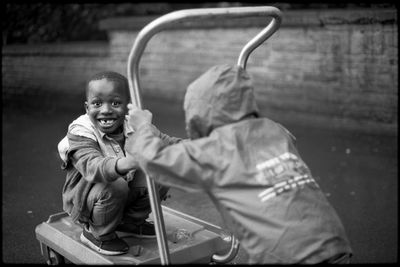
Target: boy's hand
126,164
138,117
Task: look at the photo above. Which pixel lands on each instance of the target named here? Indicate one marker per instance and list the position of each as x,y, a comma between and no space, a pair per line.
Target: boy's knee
118,189
115,192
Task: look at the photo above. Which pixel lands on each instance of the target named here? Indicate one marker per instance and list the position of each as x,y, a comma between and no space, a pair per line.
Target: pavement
357,172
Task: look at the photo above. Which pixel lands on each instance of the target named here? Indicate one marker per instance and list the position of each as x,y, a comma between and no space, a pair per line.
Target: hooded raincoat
251,170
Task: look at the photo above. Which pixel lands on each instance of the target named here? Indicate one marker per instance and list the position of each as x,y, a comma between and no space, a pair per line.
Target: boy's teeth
106,121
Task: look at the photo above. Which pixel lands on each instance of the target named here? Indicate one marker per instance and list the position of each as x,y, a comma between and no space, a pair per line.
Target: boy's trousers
120,201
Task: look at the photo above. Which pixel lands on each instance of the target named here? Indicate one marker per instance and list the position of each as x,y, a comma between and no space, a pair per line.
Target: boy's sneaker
113,246
145,230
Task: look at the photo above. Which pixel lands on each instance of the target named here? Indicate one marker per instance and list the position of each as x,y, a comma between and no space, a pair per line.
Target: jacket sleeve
169,140
85,155
173,165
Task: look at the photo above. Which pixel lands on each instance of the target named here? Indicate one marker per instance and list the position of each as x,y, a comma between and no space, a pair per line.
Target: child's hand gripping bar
134,85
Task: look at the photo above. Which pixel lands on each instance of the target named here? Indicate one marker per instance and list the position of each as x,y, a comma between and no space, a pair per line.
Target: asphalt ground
357,172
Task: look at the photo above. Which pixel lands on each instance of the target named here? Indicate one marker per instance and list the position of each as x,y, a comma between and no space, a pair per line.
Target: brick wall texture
336,69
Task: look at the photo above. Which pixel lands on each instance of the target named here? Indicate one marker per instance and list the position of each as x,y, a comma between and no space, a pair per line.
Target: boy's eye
96,104
116,103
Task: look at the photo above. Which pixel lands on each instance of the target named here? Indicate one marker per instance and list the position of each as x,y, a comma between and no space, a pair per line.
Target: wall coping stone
291,18
66,49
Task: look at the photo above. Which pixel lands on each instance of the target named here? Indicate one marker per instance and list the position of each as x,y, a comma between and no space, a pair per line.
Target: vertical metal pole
153,195
158,221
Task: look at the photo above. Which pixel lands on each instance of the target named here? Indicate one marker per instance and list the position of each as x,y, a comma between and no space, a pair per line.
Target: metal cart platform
190,240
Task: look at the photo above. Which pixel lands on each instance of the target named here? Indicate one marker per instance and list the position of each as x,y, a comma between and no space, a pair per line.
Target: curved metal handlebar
164,21
134,86
230,255
261,36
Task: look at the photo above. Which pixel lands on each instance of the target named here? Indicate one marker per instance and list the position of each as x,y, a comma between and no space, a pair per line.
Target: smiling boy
103,191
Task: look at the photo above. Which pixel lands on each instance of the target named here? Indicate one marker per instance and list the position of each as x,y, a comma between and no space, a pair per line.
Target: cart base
189,239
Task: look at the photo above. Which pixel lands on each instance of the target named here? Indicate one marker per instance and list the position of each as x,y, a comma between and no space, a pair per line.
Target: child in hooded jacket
250,168
103,190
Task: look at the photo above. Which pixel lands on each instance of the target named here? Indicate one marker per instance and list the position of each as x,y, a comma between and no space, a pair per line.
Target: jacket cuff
110,170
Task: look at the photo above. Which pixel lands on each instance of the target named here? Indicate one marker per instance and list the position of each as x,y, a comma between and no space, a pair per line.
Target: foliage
47,22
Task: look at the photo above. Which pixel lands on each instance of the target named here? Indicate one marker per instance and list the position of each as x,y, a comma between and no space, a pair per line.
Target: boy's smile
106,105
106,123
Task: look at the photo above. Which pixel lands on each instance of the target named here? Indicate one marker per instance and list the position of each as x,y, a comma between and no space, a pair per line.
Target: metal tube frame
136,52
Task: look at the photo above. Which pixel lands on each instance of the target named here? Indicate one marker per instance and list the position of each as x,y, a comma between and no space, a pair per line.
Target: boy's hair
111,76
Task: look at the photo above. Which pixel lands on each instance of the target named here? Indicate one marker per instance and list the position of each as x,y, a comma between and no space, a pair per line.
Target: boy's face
106,105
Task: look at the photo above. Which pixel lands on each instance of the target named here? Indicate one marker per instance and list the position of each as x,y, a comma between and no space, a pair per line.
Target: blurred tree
48,22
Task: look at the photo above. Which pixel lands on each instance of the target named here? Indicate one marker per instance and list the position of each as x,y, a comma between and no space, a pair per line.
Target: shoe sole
89,243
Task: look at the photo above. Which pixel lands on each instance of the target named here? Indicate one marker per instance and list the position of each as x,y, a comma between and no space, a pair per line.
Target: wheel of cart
181,238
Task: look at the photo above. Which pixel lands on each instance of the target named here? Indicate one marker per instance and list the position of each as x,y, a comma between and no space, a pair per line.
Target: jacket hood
222,95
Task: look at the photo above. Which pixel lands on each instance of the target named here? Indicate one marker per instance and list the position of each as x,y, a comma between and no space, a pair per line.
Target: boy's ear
86,106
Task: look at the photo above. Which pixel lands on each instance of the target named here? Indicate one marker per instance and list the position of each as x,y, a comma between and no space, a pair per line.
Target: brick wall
50,68
323,68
